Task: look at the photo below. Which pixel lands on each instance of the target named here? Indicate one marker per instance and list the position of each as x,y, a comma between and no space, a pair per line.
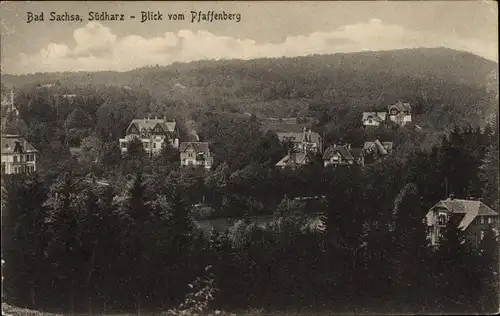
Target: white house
400,113
473,218
373,118
153,133
18,156
196,154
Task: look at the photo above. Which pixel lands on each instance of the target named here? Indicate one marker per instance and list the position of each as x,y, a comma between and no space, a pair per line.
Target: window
481,220
154,145
15,158
190,154
17,169
441,219
482,235
490,220
123,145
146,145
3,168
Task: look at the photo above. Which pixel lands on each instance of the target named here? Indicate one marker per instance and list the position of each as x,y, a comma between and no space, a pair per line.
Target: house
196,154
295,159
18,156
153,133
307,141
400,113
376,150
373,118
473,216
343,155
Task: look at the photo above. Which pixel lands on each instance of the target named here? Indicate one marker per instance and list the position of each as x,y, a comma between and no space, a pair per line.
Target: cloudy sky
266,29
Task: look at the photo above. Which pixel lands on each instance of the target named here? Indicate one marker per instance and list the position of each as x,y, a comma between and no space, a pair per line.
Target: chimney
452,196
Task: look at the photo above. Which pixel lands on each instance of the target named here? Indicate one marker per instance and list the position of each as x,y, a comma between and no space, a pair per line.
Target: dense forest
132,243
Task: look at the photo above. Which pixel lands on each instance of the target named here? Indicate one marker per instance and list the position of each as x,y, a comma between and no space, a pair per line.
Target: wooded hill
443,84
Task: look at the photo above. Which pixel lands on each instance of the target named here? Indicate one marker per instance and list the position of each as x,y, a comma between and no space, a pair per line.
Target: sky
265,29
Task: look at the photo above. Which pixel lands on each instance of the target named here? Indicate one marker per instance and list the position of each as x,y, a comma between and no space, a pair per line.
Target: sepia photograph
255,158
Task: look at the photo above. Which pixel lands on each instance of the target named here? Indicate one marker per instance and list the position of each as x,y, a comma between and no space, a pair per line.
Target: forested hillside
436,80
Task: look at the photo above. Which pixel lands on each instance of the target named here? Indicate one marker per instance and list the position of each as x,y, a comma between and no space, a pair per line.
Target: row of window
19,169
442,219
27,157
145,145
482,220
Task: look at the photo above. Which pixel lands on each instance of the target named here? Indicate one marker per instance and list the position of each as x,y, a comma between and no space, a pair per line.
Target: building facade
196,154
153,133
343,155
18,156
307,141
473,216
400,113
373,118
376,150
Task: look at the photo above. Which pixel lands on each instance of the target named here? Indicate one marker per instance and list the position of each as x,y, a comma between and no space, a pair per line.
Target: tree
92,149
456,268
489,272
135,149
410,252
168,154
24,234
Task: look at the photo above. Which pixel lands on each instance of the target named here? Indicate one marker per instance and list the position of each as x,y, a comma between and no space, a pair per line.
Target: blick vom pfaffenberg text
209,16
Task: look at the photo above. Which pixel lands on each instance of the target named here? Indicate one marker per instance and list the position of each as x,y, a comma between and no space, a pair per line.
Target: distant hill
311,85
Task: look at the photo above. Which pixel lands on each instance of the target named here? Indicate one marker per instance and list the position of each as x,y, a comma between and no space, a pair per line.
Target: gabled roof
343,151
400,106
377,116
383,148
305,136
8,144
470,208
151,124
299,158
199,147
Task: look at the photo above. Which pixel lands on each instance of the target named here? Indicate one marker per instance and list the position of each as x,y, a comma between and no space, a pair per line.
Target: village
304,149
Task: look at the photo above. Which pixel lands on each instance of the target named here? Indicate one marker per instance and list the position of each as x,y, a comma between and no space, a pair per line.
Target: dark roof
344,151
9,144
401,106
199,147
383,148
151,124
470,208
